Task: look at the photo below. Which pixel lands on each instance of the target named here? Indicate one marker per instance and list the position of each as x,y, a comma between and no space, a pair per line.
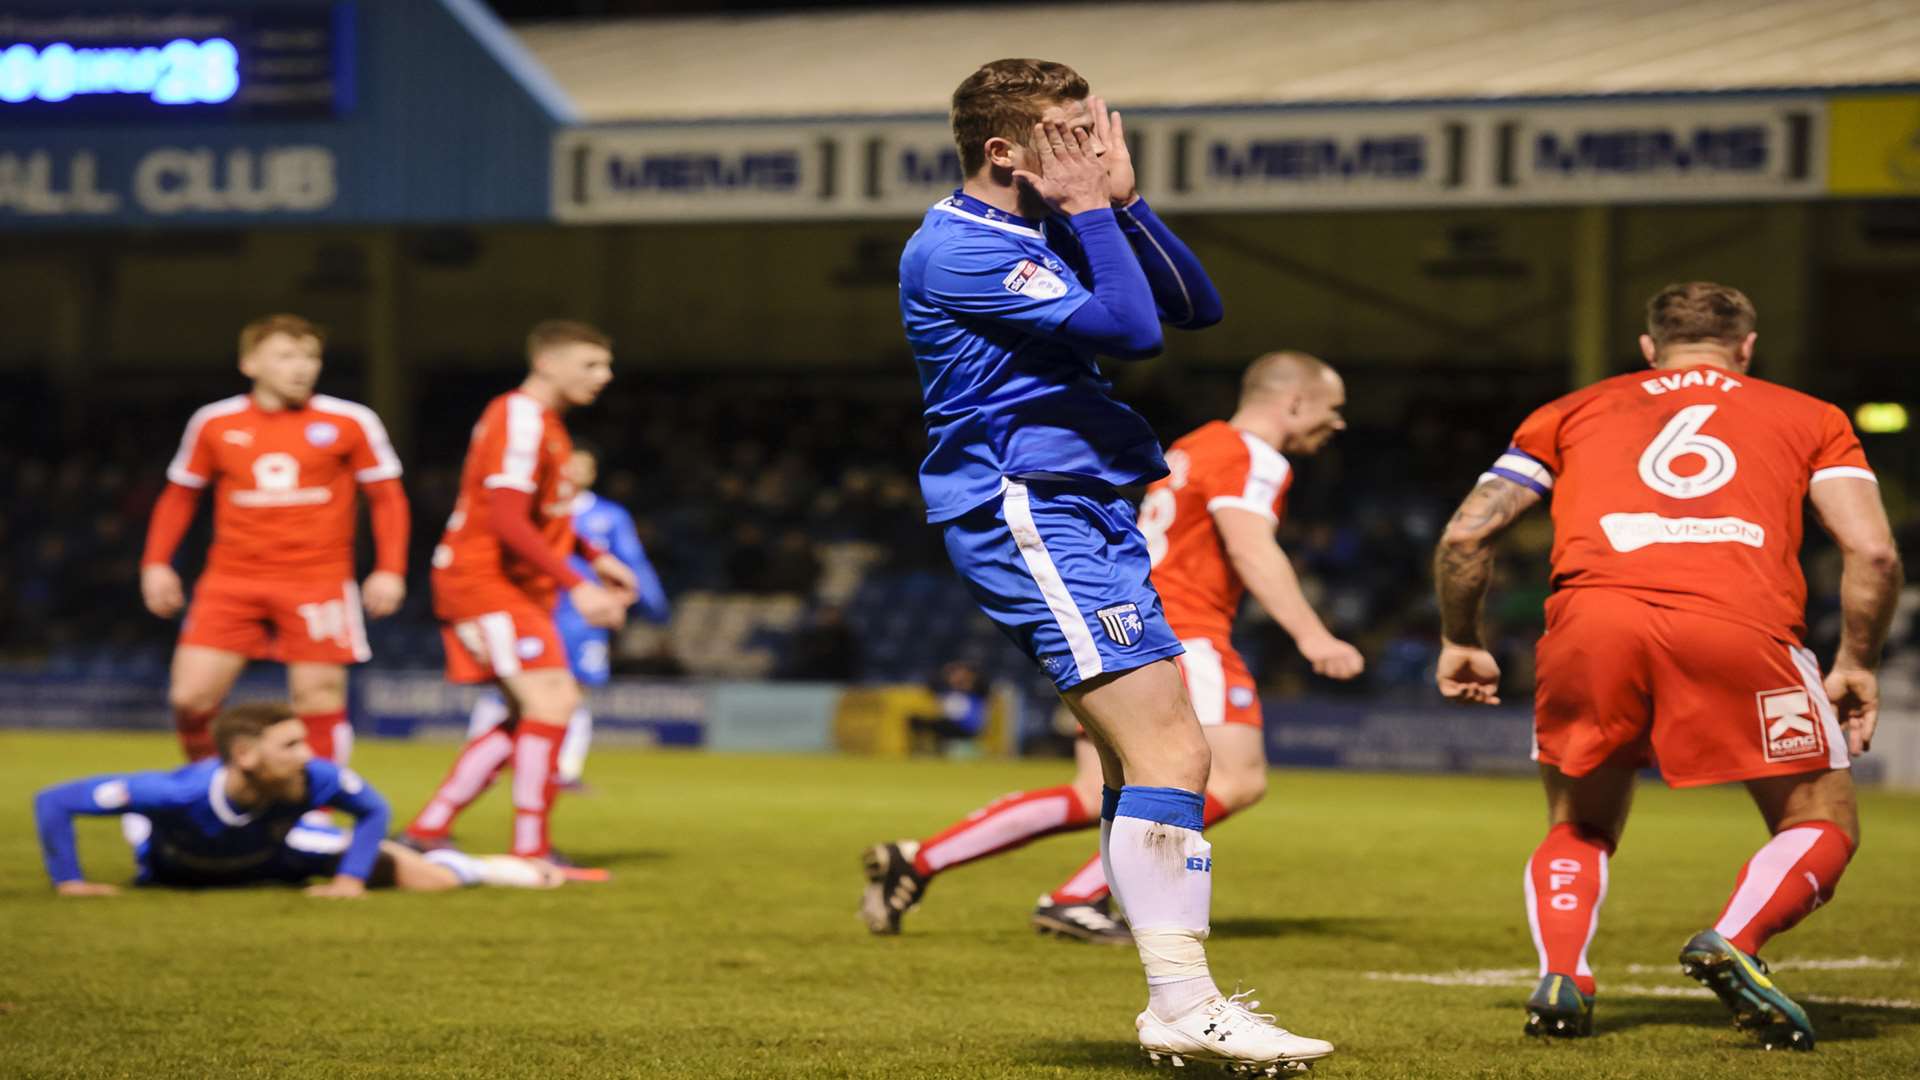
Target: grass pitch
1382,913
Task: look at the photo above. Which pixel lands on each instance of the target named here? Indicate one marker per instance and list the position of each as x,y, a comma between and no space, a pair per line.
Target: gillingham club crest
1122,623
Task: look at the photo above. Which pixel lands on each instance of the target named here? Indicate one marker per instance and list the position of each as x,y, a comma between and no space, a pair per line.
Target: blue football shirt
195,829
983,296
606,525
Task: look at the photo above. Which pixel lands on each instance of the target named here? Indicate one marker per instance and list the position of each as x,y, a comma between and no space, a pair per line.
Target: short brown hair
1279,371
246,721
551,332
264,327
1700,311
1005,99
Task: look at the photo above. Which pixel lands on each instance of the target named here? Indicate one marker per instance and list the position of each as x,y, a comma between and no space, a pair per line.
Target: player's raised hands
160,590
1122,185
598,605
85,888
617,576
340,887
383,593
1855,693
1468,674
1333,659
1071,179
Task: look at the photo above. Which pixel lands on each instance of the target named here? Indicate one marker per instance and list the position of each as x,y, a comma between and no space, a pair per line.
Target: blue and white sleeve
1182,291
626,547
992,277
345,790
112,793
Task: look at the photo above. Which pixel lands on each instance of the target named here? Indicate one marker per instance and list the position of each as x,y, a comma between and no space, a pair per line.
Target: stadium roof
1170,55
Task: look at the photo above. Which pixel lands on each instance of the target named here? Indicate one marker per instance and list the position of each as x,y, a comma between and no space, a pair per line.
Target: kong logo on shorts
1789,729
1122,623
1032,279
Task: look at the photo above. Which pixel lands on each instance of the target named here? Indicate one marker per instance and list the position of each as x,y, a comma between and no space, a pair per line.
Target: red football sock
329,735
1566,883
472,773
1088,885
536,761
1002,825
1784,881
196,736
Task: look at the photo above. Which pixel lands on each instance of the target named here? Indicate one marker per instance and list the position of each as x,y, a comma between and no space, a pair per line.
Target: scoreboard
96,65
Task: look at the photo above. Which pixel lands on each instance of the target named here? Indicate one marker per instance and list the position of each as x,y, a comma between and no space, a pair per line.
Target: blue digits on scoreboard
181,72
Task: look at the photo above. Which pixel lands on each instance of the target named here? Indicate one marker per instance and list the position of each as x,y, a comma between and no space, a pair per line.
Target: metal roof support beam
1590,329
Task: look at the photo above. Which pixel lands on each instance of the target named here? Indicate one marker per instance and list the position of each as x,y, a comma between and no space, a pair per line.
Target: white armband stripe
1525,466
1837,472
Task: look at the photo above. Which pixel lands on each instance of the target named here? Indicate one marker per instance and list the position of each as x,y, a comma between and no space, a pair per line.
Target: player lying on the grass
283,463
1209,528
1673,635
235,820
1012,289
606,525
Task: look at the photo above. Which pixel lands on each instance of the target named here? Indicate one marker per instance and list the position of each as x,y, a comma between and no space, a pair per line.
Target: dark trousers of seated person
932,734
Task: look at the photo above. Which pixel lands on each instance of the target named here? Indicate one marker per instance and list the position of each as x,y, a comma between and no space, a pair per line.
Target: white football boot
1227,1032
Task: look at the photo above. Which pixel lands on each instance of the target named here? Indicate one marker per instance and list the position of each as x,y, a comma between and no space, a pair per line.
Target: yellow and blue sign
1874,145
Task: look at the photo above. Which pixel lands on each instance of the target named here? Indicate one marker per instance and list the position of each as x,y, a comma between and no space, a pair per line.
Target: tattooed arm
1462,567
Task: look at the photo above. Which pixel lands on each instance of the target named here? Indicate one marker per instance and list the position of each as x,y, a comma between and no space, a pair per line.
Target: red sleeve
172,513
1839,452
1251,476
371,457
586,548
192,464
392,524
512,521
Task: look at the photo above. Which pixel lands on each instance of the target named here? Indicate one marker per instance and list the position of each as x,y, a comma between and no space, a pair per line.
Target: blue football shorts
586,646
1062,569
307,852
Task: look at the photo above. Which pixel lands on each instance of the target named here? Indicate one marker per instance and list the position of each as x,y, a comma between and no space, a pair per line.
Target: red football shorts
508,633
1625,682
293,621
1218,683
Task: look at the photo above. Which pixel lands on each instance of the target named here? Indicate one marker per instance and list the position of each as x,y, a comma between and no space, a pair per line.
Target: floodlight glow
1881,417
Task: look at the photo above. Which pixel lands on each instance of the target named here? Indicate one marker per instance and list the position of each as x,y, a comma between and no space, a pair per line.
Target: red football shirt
522,445
1684,488
1214,466
283,481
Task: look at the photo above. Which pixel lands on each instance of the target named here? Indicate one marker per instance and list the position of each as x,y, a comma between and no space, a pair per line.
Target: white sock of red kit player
1565,884
1002,825
1784,882
472,773
329,735
536,754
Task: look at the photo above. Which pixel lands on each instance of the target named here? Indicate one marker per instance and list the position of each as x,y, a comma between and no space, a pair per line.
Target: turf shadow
1831,1023
1087,1053
1370,929
610,859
